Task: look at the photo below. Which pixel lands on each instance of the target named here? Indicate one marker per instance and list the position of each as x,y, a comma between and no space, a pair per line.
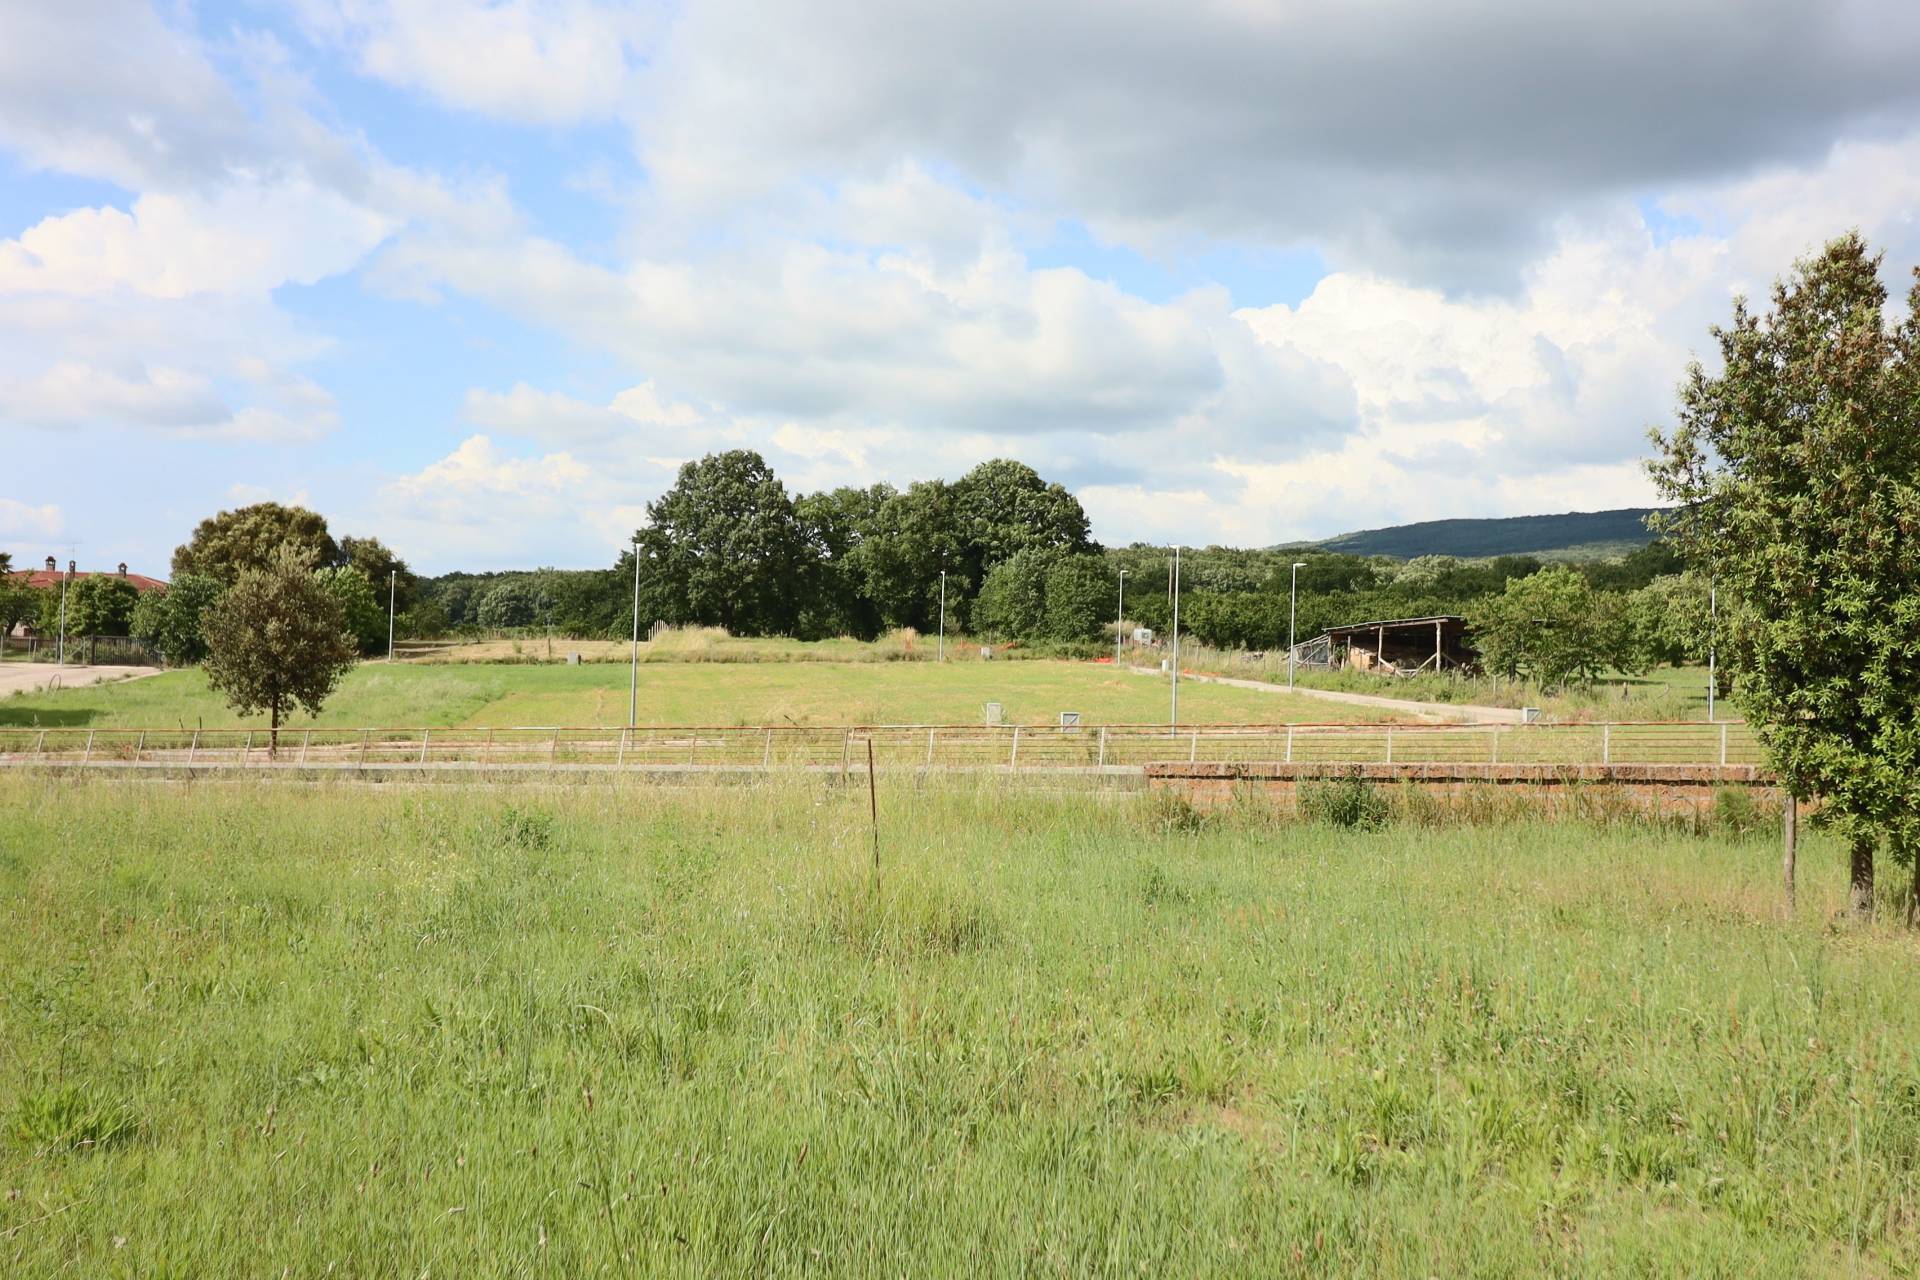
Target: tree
1797,473
170,621
1003,507
227,545
1548,627
364,613
1012,604
18,601
276,640
915,535
837,526
100,604
1669,617
513,603
1079,598
725,537
382,568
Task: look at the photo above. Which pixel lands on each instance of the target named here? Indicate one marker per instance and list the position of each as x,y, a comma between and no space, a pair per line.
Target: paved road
16,677
1438,711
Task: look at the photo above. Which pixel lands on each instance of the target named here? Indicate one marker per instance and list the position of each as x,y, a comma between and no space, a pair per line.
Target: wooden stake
1790,852
873,813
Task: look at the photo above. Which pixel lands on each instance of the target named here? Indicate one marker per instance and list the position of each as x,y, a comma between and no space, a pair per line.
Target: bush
1350,802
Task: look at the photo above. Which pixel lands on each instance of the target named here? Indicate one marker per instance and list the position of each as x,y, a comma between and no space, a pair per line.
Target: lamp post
633,661
1119,617
1713,644
1293,601
940,652
393,582
60,655
1176,640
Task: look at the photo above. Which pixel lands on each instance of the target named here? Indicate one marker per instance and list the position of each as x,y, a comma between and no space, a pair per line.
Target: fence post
1606,743
306,736
930,732
1289,744
846,749
1389,744
553,747
1103,746
620,756
1495,758
364,735
139,745
1723,744
766,752
1013,758
87,755
424,735
193,745
40,744
1193,748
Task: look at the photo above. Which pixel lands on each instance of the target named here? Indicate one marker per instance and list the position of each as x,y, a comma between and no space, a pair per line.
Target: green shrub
1350,802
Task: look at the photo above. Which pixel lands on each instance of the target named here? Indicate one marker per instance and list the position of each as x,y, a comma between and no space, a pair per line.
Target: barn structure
1392,646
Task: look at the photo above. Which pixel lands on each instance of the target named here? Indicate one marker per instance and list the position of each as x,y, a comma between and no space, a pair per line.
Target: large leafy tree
1796,469
361,608
277,640
1549,627
726,540
916,535
169,621
227,545
1003,507
100,604
837,525
383,569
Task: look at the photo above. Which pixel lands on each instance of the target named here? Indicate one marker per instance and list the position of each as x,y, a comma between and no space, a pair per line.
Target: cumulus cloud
547,61
28,522
1440,141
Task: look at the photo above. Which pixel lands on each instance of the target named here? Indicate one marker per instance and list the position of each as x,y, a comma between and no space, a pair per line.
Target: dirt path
21,677
1441,712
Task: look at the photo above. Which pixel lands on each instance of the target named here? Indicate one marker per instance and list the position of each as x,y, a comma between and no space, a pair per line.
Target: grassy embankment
279,1030
404,694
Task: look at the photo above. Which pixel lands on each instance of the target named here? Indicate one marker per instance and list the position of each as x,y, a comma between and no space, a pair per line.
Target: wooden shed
1394,646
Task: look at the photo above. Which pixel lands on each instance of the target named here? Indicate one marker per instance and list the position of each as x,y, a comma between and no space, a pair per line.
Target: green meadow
277,1029
378,694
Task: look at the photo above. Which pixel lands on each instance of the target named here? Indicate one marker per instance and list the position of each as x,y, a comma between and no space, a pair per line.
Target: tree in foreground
1797,474
276,640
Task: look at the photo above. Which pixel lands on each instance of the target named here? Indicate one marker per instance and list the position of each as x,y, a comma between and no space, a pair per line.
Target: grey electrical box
995,713
1069,719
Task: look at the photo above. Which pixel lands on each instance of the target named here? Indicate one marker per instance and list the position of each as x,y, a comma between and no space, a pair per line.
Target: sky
477,276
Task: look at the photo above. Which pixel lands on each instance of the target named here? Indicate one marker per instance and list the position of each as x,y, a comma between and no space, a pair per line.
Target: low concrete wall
1655,788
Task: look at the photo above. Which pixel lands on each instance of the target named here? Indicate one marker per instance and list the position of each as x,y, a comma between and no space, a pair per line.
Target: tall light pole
393,582
940,653
1713,644
1119,617
60,654
1176,640
1293,601
633,665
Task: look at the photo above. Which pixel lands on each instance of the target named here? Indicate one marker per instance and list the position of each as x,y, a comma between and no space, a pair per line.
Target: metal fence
1012,748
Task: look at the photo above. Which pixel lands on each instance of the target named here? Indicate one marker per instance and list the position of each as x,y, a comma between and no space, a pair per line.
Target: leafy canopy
277,639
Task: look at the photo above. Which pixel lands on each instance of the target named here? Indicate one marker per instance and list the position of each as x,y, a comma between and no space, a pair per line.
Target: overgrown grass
404,694
276,1030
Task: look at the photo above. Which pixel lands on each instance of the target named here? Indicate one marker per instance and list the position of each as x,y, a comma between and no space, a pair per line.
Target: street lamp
1119,617
1293,600
61,654
633,663
940,653
1176,640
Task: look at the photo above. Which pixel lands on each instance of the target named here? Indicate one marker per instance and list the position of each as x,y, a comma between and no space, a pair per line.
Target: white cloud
29,522
548,61
247,238
635,417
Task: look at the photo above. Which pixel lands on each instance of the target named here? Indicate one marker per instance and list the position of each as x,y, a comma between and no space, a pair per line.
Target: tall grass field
272,1029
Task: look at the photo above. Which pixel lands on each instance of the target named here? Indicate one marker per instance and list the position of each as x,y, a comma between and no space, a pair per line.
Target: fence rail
1012,748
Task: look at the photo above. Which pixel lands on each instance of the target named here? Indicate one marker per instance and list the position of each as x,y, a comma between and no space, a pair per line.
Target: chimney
123,568
73,567
52,565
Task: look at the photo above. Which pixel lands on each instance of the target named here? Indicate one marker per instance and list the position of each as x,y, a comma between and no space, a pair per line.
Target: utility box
986,652
1529,715
573,659
1143,635
996,714
1069,719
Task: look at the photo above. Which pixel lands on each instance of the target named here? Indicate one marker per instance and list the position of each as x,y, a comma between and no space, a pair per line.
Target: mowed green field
288,1030
400,695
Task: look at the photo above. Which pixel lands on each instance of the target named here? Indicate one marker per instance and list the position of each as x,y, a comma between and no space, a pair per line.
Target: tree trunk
1861,895
1789,856
1913,892
273,731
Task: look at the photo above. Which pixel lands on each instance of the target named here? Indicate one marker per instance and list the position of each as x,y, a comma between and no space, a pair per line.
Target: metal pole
1176,640
633,672
1119,617
1293,601
941,651
1713,645
393,582
60,652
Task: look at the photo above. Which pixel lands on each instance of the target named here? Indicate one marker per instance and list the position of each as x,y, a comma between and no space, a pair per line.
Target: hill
1585,533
